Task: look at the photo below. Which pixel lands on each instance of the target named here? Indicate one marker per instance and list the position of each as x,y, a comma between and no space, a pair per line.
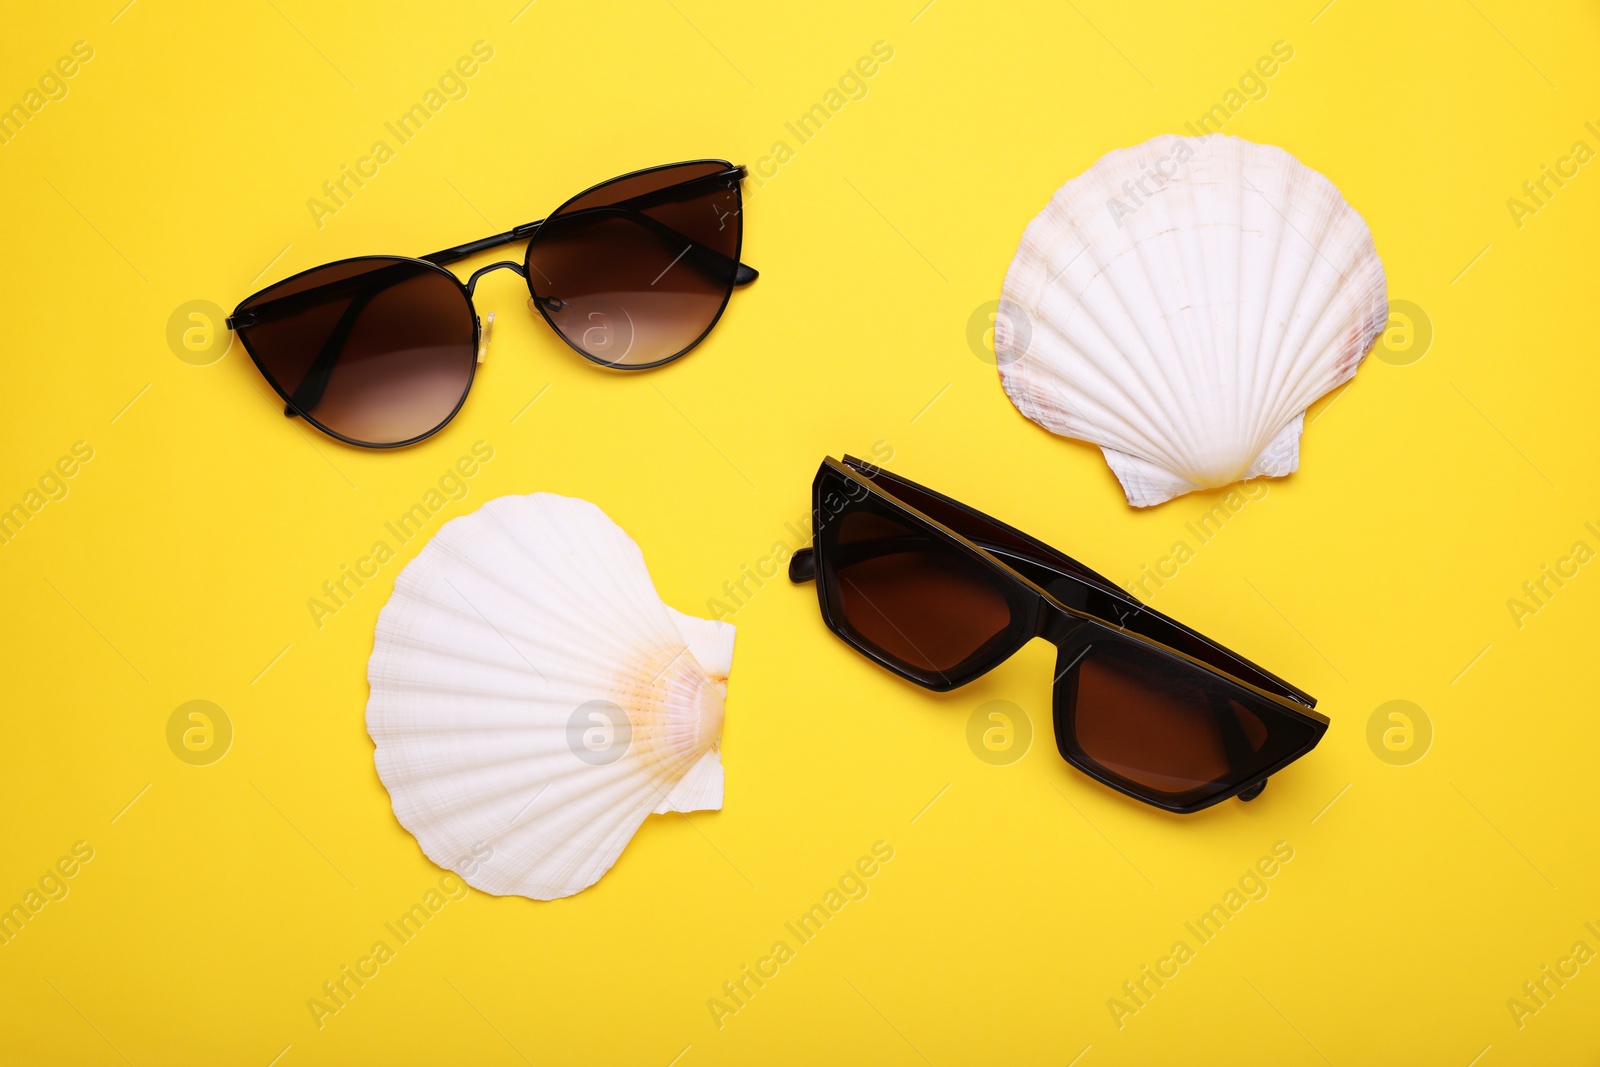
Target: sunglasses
940,594
380,351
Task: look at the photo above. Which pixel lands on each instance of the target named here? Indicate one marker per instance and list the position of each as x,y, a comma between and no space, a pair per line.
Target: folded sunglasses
380,351
940,594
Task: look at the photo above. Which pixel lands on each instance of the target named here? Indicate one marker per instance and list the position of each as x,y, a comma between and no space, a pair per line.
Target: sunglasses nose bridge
1055,625
504,264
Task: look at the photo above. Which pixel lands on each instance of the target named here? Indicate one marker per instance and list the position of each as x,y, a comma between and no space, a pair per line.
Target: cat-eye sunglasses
940,593
380,351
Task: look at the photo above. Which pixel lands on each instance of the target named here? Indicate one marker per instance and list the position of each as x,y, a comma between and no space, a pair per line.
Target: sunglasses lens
635,272
904,593
1167,730
378,351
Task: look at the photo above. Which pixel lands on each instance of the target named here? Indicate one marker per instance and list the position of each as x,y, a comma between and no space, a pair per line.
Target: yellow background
1021,897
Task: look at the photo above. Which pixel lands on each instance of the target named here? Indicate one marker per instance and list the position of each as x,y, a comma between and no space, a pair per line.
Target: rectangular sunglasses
940,594
380,351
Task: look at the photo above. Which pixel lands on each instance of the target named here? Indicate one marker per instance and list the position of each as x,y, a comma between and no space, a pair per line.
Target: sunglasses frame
242,318
1076,610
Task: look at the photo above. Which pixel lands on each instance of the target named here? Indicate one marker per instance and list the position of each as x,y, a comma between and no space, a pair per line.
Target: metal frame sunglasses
381,351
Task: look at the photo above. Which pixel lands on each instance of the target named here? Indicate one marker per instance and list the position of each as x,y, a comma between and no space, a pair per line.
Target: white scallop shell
533,700
1181,303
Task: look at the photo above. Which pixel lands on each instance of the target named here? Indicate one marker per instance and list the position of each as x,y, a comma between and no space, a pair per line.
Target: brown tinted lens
636,271
1171,730
378,350
910,595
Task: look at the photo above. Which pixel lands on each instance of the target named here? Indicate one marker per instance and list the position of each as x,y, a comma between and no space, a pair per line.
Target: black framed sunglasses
940,594
380,351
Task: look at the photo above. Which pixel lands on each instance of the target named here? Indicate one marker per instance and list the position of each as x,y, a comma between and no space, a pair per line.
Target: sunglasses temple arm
1234,742
803,566
714,263
308,394
1115,606
707,260
318,295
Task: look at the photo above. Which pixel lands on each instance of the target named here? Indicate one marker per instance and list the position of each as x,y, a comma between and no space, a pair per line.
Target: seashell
1181,303
533,700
